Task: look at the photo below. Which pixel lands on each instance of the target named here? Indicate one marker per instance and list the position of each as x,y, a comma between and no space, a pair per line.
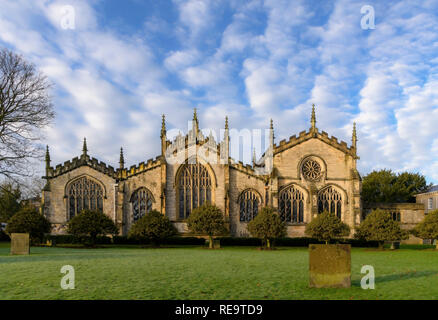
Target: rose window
311,170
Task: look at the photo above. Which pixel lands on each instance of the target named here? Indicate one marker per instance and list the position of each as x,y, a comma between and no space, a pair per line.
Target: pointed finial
226,122
195,115
253,156
271,133
47,161
47,156
313,119
84,147
122,159
163,126
195,123
354,136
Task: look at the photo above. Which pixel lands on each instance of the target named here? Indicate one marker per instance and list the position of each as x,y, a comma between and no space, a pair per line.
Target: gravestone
330,265
395,245
20,243
216,244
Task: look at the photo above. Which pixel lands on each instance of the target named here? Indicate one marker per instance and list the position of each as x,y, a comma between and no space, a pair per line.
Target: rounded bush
208,220
379,226
29,220
267,226
327,226
153,227
428,228
93,224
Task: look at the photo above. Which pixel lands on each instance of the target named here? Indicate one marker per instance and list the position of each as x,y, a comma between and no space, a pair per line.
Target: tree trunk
210,240
436,244
268,243
326,242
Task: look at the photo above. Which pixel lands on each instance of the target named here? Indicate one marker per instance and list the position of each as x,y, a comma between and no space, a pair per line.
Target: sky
117,66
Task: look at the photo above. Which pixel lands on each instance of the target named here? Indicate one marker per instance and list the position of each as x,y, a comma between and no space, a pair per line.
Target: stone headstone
216,244
20,243
395,245
330,265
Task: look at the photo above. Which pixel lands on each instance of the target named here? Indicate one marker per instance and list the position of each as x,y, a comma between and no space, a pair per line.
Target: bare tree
31,187
25,108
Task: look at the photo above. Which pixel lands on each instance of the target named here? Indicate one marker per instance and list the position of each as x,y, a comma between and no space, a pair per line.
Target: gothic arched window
291,205
194,188
249,205
84,193
141,201
330,200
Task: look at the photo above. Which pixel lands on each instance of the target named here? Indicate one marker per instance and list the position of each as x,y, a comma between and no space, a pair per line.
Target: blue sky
127,62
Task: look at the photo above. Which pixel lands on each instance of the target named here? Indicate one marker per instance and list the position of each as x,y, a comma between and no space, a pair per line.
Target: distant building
34,202
429,199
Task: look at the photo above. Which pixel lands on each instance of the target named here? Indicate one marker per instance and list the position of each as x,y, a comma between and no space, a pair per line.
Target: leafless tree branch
25,108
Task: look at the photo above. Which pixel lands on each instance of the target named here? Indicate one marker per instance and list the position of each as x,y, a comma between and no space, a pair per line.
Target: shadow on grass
398,276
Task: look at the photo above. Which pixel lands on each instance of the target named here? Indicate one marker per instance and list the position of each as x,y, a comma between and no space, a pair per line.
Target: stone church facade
300,177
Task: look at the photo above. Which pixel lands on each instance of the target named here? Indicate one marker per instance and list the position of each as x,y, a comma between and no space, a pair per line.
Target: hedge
292,242
4,236
70,239
170,241
225,241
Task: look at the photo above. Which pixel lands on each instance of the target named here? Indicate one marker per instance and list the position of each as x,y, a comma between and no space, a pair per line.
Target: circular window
311,170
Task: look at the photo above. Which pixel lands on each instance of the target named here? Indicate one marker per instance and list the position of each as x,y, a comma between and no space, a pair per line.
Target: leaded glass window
141,201
249,205
194,188
330,200
84,193
291,205
396,216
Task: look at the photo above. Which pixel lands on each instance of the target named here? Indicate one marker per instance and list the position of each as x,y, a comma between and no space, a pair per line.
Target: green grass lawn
198,273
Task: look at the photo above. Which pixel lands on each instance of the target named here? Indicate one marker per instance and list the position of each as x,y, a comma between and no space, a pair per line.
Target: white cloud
251,61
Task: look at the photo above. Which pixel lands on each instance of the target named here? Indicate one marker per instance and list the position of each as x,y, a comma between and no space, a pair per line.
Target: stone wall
149,179
428,198
218,178
338,171
55,200
239,182
337,160
410,213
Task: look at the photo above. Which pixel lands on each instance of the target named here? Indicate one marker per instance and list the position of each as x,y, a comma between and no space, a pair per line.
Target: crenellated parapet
247,169
140,168
315,133
85,160
77,162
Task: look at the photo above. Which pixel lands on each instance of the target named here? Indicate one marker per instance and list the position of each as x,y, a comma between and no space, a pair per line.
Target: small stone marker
20,243
216,244
330,265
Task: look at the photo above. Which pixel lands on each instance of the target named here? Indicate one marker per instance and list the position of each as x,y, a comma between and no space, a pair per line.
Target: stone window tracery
311,170
249,205
194,188
84,193
141,201
291,205
330,200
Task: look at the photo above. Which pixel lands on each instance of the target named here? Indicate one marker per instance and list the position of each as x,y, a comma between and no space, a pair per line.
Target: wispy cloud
250,60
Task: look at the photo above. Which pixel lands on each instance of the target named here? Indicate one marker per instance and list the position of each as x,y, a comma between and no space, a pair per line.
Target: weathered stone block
216,244
20,243
330,265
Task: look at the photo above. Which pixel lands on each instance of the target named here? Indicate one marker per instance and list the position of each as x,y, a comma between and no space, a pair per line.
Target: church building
300,177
